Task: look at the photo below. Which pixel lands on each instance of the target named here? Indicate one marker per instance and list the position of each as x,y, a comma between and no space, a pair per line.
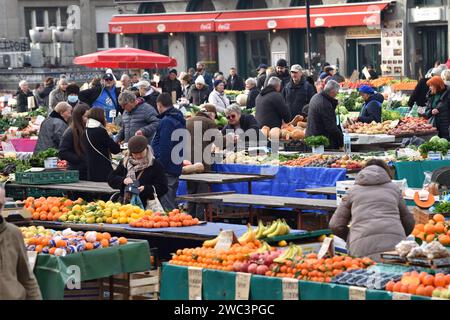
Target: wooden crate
132,286
90,290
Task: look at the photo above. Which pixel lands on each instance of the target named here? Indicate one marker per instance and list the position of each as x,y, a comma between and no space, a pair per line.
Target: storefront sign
223,27
14,45
319,22
362,33
206,27
392,48
426,14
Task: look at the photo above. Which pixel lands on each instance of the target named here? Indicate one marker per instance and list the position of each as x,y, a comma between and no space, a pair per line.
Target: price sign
400,296
357,293
195,283
112,113
326,245
226,239
290,289
242,286
32,257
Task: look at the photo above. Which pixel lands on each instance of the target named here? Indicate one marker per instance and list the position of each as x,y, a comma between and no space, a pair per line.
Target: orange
89,246
429,228
415,232
420,290
431,221
429,291
106,236
444,240
421,236
430,237
447,279
438,217
61,243
99,236
397,287
440,281
39,248
439,227
52,250
428,280
412,289
164,224
404,288
43,217
420,226
105,243
123,240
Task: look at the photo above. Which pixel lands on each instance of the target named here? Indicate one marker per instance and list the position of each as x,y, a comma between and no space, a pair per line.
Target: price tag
401,296
356,293
195,283
112,113
242,286
290,289
31,102
434,155
32,257
326,245
225,241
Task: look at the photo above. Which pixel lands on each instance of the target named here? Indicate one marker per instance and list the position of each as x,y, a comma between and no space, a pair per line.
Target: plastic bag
427,179
136,201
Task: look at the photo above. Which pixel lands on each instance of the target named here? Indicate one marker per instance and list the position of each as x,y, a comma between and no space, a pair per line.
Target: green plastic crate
23,193
47,177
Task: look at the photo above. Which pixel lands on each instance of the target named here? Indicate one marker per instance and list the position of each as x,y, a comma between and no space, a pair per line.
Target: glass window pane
100,41
208,51
111,40
52,17
28,24
40,17
64,16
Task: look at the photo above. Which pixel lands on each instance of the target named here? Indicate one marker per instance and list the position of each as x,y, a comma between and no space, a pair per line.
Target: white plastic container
51,163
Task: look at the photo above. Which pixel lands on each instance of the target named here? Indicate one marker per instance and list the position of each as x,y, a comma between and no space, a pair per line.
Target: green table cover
413,171
52,272
221,285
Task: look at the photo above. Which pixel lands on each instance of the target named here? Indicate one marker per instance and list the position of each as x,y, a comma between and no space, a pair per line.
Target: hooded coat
376,212
371,110
198,97
98,165
271,109
163,144
51,132
17,282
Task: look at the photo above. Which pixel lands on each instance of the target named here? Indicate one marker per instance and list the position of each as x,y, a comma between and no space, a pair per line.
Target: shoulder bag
114,163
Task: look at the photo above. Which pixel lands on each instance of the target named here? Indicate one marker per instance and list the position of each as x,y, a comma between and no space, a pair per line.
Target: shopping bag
136,201
154,204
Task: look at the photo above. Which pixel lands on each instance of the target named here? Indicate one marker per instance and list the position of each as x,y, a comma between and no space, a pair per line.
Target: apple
244,266
237,266
254,256
252,268
262,269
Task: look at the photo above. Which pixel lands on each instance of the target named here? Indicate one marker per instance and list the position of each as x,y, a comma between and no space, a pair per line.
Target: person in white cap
199,93
147,92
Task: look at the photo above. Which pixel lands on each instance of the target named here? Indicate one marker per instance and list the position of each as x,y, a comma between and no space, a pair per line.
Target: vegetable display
435,144
316,141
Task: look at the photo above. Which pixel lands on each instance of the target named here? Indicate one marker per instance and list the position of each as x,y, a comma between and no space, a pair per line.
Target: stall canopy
340,15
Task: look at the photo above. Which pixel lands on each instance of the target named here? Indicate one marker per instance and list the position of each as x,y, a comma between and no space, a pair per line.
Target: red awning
163,23
339,15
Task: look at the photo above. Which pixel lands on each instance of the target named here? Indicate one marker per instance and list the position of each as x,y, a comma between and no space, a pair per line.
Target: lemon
123,220
282,243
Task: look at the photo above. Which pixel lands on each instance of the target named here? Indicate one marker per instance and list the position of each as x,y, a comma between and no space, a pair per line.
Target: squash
284,133
296,120
424,204
265,130
199,167
189,169
297,134
275,133
302,124
433,188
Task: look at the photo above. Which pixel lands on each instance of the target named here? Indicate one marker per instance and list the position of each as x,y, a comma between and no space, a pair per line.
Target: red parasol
125,58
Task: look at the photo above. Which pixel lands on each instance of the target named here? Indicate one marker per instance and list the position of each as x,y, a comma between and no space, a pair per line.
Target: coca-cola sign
206,27
116,29
223,27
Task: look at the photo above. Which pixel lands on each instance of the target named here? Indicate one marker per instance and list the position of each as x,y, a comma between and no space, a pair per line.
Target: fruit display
435,229
411,125
369,279
348,163
404,85
305,161
61,243
33,231
49,209
370,128
276,228
327,161
294,130
161,220
421,284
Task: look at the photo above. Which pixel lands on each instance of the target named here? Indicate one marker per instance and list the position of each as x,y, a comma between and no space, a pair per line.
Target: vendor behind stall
373,216
241,125
371,110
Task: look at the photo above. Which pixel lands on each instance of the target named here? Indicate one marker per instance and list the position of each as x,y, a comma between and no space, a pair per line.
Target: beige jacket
376,212
16,280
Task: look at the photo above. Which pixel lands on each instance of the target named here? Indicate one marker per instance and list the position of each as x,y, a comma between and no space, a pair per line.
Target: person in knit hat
172,85
217,97
438,106
140,167
199,93
371,110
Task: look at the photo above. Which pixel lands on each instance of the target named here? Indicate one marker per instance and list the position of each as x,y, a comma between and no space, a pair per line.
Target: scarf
134,166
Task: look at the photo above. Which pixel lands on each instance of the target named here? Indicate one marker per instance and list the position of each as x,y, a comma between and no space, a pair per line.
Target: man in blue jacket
166,142
371,110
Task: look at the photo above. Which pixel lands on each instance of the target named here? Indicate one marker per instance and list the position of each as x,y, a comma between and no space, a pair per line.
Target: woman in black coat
70,148
98,146
437,109
140,165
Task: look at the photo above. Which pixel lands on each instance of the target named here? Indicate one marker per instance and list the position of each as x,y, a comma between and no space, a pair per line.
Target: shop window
151,7
200,5
44,17
431,3
251,4
101,41
302,3
112,43
208,52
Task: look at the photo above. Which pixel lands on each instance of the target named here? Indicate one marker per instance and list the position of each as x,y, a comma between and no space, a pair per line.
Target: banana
278,231
265,247
272,228
211,243
261,228
249,236
288,229
288,254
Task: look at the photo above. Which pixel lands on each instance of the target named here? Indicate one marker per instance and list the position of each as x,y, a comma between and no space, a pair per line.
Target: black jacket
247,122
271,109
67,152
337,77
297,95
198,97
251,98
153,176
98,166
260,80
45,94
285,78
419,94
322,120
235,83
442,119
151,99
51,131
371,110
168,86
89,96
22,100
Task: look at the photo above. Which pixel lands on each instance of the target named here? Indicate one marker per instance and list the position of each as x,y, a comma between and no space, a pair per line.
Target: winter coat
297,95
151,98
247,123
285,78
185,90
371,110
51,132
152,176
17,282
235,83
195,149
22,100
260,80
98,165
322,119
171,120
337,77
45,94
89,96
198,97
271,109
143,117
251,97
56,96
220,100
419,95
377,214
67,152
168,86
441,121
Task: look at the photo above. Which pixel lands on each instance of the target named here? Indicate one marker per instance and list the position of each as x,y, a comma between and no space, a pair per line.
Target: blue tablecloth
285,182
